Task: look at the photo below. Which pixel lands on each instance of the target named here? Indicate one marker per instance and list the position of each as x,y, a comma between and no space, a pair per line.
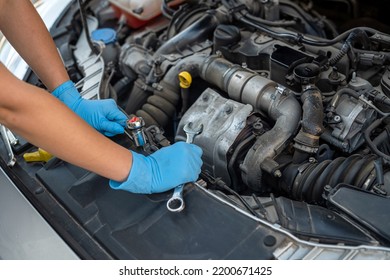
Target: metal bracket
8,139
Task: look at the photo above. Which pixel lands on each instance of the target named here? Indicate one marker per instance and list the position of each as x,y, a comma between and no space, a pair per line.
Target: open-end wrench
176,202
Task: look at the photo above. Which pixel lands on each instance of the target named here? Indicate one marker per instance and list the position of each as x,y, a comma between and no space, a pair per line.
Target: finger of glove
194,161
195,157
109,128
196,149
194,168
191,151
169,168
93,112
114,114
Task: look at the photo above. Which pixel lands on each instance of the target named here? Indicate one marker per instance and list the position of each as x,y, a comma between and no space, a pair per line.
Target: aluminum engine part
222,120
265,96
350,119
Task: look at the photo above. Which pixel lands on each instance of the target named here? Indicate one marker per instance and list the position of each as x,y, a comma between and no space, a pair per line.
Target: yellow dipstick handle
185,79
39,155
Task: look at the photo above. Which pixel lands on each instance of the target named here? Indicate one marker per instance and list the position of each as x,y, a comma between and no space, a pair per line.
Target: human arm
47,123
38,117
29,36
27,33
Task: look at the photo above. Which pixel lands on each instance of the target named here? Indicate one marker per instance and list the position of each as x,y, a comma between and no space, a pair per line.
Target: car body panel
24,234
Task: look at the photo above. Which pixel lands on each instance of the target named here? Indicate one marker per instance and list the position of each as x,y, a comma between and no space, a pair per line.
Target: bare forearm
36,115
27,33
47,123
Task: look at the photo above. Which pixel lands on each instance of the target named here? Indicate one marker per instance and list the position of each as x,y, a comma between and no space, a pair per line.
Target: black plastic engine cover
368,209
308,221
133,226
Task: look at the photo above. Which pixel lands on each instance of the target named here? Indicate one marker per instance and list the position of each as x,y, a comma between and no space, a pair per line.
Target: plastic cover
139,12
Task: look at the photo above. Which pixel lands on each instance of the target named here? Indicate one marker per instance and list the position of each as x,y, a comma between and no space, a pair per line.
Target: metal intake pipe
265,96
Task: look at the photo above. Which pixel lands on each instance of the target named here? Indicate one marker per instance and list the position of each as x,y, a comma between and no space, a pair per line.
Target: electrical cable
166,10
222,185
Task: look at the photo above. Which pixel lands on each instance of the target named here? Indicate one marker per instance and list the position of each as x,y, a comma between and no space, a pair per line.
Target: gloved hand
103,115
163,170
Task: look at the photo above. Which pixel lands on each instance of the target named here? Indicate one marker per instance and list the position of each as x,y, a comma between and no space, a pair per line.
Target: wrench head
190,129
175,204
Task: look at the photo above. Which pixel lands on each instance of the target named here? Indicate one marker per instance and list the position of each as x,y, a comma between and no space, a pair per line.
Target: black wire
247,206
300,38
244,17
169,9
260,205
222,185
166,10
303,14
277,23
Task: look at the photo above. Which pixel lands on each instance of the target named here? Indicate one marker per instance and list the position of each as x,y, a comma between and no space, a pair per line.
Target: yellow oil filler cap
185,79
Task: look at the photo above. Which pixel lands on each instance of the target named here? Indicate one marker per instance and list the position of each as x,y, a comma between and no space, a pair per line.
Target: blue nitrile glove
103,115
163,170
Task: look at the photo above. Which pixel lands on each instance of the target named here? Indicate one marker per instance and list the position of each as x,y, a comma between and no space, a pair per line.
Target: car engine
294,101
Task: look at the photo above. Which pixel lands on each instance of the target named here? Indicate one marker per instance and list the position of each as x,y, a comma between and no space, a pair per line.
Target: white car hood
49,10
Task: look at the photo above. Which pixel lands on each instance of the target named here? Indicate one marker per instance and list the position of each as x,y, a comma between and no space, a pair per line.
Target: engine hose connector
307,140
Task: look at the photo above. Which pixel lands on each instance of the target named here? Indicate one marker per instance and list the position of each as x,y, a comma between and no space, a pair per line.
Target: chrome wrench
176,202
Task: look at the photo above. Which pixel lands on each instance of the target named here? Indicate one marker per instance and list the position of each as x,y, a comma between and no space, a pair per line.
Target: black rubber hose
313,112
309,180
170,90
159,108
379,171
336,98
370,143
199,31
138,97
307,140
155,112
123,85
162,103
233,158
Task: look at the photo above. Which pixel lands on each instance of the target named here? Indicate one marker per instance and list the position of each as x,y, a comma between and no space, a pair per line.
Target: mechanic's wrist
68,94
140,176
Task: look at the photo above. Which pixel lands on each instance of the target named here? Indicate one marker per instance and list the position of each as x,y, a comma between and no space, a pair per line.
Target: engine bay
293,98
